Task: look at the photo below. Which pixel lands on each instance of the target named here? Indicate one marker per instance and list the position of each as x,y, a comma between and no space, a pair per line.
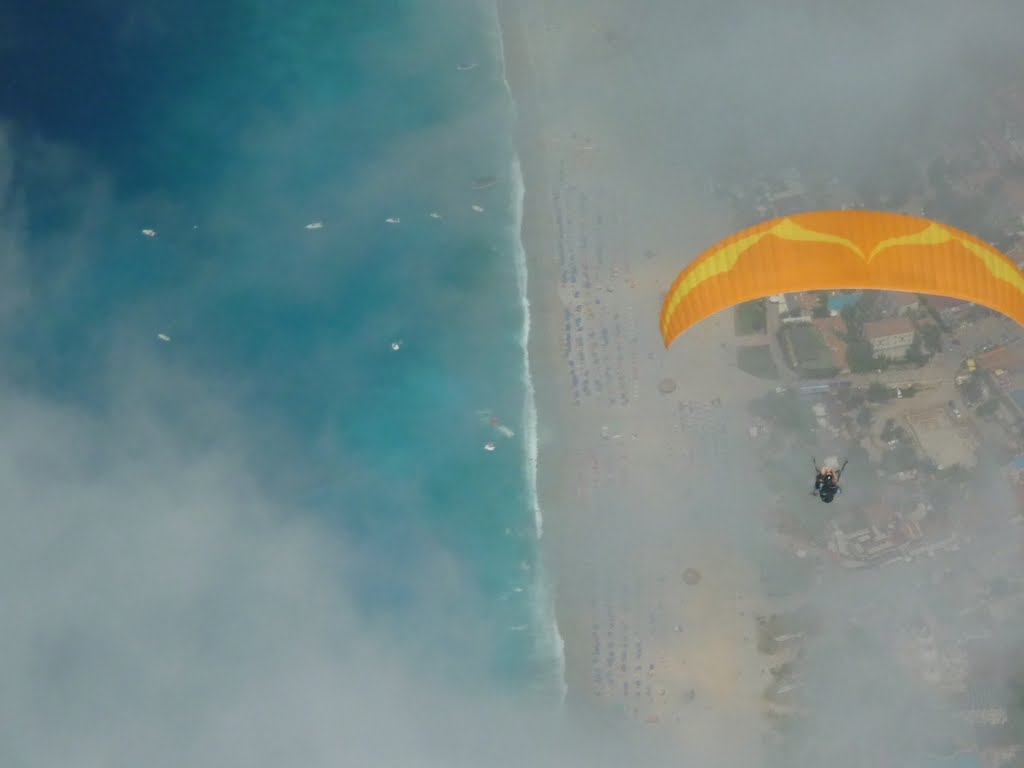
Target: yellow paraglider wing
829,250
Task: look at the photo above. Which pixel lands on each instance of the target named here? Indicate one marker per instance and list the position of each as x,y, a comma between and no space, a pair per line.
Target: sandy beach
635,481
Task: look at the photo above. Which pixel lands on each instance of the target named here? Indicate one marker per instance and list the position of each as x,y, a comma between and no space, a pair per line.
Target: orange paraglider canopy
829,250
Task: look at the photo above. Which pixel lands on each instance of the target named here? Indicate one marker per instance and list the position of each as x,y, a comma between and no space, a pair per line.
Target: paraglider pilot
826,482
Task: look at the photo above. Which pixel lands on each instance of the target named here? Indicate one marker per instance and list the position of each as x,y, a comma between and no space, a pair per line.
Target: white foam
530,401
553,644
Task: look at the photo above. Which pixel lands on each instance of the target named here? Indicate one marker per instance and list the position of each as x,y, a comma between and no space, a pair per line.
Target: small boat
477,208
466,67
315,225
393,220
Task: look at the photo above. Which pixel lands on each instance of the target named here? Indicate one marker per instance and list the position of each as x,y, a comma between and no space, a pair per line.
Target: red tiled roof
878,329
1009,358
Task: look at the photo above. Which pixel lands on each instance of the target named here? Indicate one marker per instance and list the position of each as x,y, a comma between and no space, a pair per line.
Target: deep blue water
227,128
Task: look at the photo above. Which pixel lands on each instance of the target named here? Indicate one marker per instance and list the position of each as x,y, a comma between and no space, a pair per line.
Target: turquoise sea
232,131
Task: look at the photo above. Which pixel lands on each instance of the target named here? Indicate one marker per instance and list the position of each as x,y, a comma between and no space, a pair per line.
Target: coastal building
890,338
1004,381
882,530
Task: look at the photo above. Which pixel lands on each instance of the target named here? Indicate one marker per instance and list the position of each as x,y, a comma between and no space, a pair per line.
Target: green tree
861,357
915,355
931,337
856,314
750,317
974,388
988,408
851,398
821,308
878,392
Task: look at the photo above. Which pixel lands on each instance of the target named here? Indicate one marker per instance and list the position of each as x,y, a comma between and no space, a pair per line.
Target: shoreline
534,236
629,478
553,644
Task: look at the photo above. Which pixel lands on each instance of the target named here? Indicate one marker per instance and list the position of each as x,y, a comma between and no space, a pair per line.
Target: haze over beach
646,135
338,426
